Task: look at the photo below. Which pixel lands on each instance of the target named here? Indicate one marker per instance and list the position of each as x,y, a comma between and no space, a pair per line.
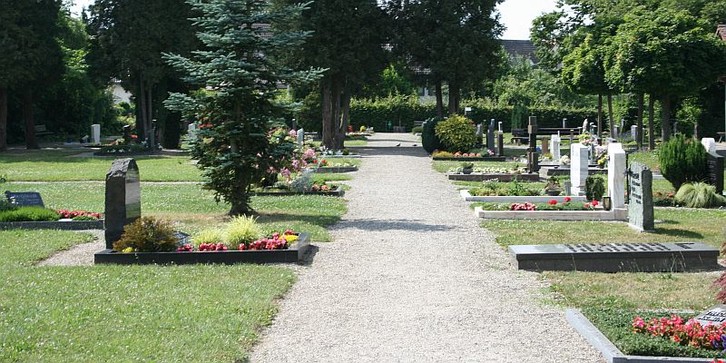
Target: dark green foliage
457,133
594,187
616,324
28,214
236,91
429,140
148,234
682,160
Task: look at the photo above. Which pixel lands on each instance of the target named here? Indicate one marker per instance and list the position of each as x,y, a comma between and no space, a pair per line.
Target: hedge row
383,115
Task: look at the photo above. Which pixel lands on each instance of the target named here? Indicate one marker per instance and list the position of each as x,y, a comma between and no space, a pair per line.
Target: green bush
208,236
417,130
22,214
429,140
594,187
699,195
457,133
682,161
147,234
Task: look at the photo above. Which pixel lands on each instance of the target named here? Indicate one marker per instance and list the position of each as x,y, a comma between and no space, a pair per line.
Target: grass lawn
205,313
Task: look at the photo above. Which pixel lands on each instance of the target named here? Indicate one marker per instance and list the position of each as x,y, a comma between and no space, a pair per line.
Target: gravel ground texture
411,277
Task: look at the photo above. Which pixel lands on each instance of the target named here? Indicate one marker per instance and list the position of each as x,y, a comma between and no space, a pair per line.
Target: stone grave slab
25,199
714,315
617,257
640,202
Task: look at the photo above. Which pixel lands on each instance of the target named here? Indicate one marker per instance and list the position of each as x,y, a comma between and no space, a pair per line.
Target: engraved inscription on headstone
24,199
617,247
640,198
714,315
123,198
715,171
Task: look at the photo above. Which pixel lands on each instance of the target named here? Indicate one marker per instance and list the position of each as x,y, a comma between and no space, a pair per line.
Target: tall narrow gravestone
640,198
532,154
555,148
616,175
123,198
490,135
96,133
578,168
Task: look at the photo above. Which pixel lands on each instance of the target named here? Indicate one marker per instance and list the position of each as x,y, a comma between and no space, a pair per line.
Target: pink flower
285,173
594,203
292,133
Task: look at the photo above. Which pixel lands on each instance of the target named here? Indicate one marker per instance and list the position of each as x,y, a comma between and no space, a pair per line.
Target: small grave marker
25,199
123,198
640,198
714,315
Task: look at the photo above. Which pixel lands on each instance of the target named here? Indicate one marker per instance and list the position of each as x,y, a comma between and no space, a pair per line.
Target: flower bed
36,217
528,177
333,191
552,210
517,198
295,252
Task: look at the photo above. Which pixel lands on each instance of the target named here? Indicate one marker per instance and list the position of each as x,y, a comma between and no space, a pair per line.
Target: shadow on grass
323,221
667,221
678,233
392,225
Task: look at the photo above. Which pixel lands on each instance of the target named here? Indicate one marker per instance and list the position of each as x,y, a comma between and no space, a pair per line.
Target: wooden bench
41,130
519,136
560,130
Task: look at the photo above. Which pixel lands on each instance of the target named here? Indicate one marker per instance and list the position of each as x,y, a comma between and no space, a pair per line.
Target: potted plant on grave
553,187
467,168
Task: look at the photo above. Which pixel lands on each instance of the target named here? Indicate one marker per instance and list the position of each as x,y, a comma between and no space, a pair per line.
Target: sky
516,15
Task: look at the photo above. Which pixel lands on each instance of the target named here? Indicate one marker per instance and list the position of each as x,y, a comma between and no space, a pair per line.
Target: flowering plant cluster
277,241
690,332
320,188
591,205
78,214
523,206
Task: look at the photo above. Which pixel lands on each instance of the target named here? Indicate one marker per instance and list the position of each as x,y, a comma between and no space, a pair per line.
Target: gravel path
411,277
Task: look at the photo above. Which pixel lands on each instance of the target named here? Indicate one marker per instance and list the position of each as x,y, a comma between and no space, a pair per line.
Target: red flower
594,203
568,199
552,202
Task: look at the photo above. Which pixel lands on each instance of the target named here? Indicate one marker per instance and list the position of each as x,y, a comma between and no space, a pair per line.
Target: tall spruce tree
236,79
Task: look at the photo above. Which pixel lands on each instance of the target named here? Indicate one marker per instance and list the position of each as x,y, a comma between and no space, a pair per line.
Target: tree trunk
454,96
611,124
344,121
3,118
30,141
439,100
651,134
639,121
327,112
665,123
599,115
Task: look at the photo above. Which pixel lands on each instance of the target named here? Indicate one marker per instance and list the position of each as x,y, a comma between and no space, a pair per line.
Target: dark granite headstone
123,198
714,315
617,257
532,154
490,135
24,199
500,144
715,171
640,198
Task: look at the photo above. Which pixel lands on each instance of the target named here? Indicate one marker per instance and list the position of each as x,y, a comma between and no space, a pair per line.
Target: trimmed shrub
429,140
699,195
457,133
25,214
594,188
208,236
147,234
682,161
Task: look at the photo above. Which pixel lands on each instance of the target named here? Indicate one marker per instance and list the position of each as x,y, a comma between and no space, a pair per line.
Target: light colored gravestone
300,136
123,198
192,130
479,131
640,198
96,133
634,132
616,175
709,143
714,315
578,167
555,148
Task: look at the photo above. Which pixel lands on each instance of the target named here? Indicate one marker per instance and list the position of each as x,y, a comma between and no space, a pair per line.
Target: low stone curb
63,225
335,169
610,352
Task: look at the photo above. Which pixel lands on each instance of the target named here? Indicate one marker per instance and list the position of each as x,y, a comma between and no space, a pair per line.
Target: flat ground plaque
617,257
715,315
25,199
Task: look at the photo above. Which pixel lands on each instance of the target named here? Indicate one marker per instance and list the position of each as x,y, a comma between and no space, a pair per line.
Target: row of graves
628,199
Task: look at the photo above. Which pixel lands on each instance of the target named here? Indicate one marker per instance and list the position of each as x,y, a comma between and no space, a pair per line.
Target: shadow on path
392,224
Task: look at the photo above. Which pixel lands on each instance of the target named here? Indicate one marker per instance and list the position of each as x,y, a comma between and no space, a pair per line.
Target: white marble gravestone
578,167
300,136
96,133
709,143
616,175
555,148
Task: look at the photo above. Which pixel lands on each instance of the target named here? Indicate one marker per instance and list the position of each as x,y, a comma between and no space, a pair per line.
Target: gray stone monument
300,136
634,132
545,145
555,148
490,135
616,175
715,163
500,143
640,198
96,133
123,198
709,143
578,168
532,154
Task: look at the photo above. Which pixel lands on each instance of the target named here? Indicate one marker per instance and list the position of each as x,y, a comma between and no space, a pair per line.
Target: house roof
522,48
